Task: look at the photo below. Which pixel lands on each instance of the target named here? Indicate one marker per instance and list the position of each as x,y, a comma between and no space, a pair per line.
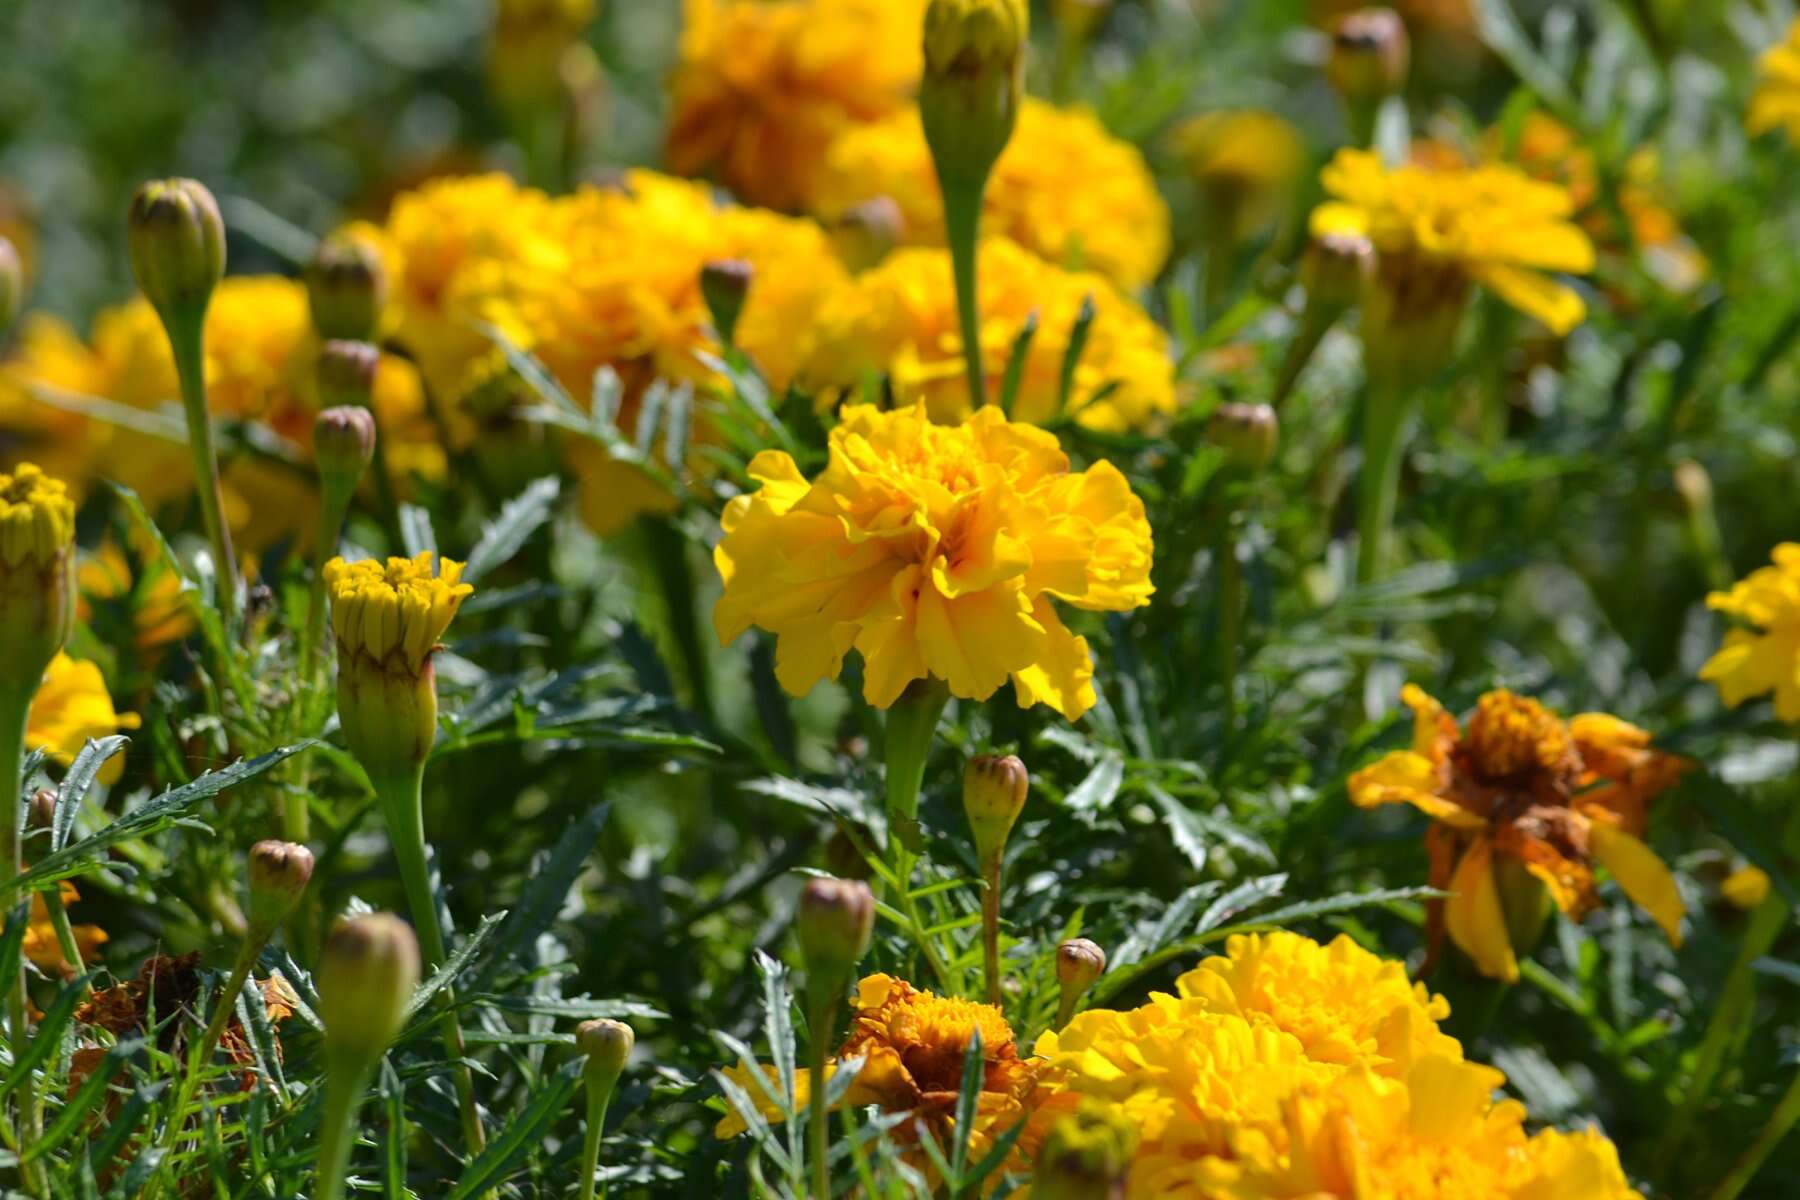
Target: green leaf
92,1089
519,1135
77,781
445,975
519,518
968,1104
1245,895
1184,827
1078,337
1101,787
551,878
1015,363
48,1035
416,533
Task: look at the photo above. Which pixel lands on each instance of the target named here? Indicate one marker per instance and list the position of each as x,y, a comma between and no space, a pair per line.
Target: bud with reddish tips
346,287
1079,963
1248,433
725,285
279,873
835,922
177,243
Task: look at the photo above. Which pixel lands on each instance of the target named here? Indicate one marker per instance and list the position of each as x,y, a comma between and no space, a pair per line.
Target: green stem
1313,328
1231,613
666,548
911,723
1730,1015
1361,116
1221,255
1065,1008
402,807
990,931
1385,413
185,339
202,1052
962,229
597,1101
65,932
344,1086
1786,1113
824,1003
15,710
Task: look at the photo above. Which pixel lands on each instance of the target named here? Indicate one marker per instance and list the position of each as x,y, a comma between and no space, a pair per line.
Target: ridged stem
185,339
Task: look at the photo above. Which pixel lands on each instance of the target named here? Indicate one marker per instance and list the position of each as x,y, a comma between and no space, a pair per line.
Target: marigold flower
71,707
1064,188
900,319
1776,102
1516,784
37,579
933,551
1765,655
762,87
1439,229
913,1044
42,947
153,601
1245,162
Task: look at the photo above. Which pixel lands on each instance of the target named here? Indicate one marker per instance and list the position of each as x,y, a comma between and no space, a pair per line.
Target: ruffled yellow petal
1474,917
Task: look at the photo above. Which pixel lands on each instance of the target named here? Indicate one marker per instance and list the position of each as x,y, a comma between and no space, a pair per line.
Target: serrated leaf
416,533
1245,895
507,533
519,1135
1101,787
551,880
76,782
1184,827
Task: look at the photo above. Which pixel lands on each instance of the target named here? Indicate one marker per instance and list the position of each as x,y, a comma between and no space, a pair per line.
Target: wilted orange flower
913,1044
933,551
1764,655
1518,785
762,87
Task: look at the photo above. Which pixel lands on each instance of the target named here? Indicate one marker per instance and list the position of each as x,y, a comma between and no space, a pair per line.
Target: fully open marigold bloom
37,579
72,706
387,618
913,1044
1776,101
933,551
762,87
1517,787
1764,656
1064,188
900,320
1439,229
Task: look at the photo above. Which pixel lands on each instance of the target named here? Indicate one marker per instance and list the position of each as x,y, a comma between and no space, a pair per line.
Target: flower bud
1248,433
1080,18
37,577
1746,888
366,977
1369,54
177,243
1086,1155
970,93
1335,271
343,445
607,1045
864,235
279,872
40,812
725,284
346,373
836,920
1079,963
346,287
12,284
994,791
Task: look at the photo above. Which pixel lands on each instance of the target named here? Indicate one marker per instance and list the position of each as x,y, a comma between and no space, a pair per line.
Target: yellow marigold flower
1519,786
1776,102
933,551
1246,163
37,579
71,707
1344,1004
44,950
1765,655
1439,229
1746,888
762,87
900,319
158,611
37,519
913,1044
1064,188
394,612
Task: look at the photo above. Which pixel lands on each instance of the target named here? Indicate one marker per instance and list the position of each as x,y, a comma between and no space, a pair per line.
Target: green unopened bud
346,287
844,857
970,93
994,791
12,285
1336,270
864,235
40,813
1079,963
346,373
367,974
607,1045
279,872
1086,1155
343,445
1369,55
177,243
725,285
1248,433
835,922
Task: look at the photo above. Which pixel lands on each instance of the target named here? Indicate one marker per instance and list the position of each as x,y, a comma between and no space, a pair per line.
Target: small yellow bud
279,872
343,445
1369,55
1248,433
37,580
1336,271
346,287
1746,888
1079,963
970,94
608,1046
367,974
725,285
1086,1155
177,243
12,284
994,791
835,921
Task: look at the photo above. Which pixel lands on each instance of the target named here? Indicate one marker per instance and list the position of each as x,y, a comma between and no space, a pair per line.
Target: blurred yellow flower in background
1246,163
763,87
1064,188
900,320
1764,656
1776,102
933,551
1746,888
44,951
1516,787
158,612
71,707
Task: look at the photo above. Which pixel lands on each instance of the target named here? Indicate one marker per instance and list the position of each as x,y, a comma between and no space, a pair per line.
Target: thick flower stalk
1761,656
1524,807
387,619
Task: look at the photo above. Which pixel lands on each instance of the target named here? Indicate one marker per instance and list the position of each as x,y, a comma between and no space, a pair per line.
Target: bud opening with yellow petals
37,581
